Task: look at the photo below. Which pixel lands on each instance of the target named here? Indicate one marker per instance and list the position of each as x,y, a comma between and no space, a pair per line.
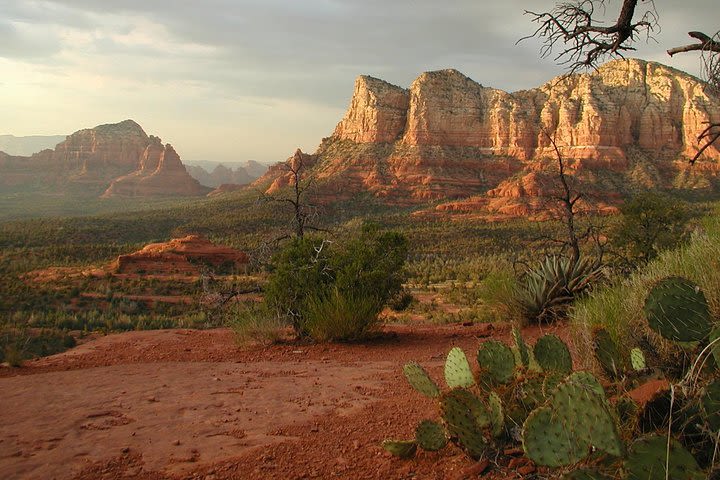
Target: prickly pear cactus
496,361
457,370
467,419
546,440
521,347
552,354
637,359
574,419
677,309
649,456
497,414
420,380
585,474
430,436
587,380
551,381
710,400
531,392
400,448
607,352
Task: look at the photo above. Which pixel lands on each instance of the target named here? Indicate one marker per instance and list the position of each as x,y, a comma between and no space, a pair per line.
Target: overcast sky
234,80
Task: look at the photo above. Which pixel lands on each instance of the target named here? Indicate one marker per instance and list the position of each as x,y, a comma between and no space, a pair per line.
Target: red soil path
185,404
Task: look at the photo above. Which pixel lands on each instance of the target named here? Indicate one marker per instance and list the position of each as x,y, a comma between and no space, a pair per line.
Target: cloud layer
242,79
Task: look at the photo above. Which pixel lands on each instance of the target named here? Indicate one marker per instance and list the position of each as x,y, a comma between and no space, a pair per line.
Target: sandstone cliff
629,124
89,160
160,173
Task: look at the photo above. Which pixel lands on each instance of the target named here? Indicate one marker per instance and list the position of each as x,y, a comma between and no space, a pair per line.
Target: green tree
651,222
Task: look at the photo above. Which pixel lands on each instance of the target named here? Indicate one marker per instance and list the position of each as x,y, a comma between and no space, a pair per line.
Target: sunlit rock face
117,159
629,124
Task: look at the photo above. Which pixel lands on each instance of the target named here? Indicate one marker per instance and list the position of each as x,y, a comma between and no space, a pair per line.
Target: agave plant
549,288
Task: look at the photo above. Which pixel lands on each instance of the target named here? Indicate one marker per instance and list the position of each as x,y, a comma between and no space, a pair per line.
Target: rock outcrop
89,160
219,175
181,256
160,173
629,124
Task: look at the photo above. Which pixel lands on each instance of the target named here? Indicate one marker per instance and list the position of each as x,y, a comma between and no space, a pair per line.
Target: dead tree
301,184
567,201
574,32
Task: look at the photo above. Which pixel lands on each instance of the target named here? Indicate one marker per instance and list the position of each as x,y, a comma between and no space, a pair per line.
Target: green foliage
552,354
607,352
546,291
430,436
651,222
457,369
649,456
420,380
335,290
677,309
255,322
400,448
497,362
336,316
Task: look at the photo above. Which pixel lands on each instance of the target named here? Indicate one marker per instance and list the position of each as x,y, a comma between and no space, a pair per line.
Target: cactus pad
457,369
400,448
575,419
637,359
521,347
430,436
420,380
648,457
606,352
585,474
531,392
467,420
551,381
547,442
496,361
589,381
552,354
711,404
715,335
677,309
497,416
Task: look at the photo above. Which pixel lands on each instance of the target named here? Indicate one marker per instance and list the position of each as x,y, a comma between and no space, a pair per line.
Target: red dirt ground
186,404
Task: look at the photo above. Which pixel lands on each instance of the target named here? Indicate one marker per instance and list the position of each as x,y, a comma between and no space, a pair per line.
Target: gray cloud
308,51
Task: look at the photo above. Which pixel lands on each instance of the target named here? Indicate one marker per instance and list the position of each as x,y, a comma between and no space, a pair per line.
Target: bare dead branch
582,40
708,137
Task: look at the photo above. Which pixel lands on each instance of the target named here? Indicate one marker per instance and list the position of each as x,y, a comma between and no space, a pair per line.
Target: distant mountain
26,146
117,159
214,174
629,125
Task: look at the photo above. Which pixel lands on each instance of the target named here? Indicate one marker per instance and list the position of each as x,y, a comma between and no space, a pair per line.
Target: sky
235,80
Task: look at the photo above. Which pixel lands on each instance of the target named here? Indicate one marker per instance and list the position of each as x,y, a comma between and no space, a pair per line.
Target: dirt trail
182,404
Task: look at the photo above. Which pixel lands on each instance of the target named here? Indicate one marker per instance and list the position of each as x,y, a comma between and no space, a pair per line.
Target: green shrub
311,275
257,323
339,316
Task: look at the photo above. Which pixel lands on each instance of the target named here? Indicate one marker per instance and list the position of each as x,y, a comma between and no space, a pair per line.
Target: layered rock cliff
90,160
629,124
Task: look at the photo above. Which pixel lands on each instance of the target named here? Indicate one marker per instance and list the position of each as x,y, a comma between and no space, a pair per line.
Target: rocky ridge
630,124
92,159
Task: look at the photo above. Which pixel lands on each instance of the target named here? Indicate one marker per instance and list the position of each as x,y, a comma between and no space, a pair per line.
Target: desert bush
651,222
401,301
341,316
256,323
311,275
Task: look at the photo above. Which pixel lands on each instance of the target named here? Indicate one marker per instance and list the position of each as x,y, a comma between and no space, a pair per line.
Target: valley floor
189,404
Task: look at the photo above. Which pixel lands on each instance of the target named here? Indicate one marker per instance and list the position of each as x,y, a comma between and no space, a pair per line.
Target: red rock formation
226,188
93,157
633,121
168,178
180,256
